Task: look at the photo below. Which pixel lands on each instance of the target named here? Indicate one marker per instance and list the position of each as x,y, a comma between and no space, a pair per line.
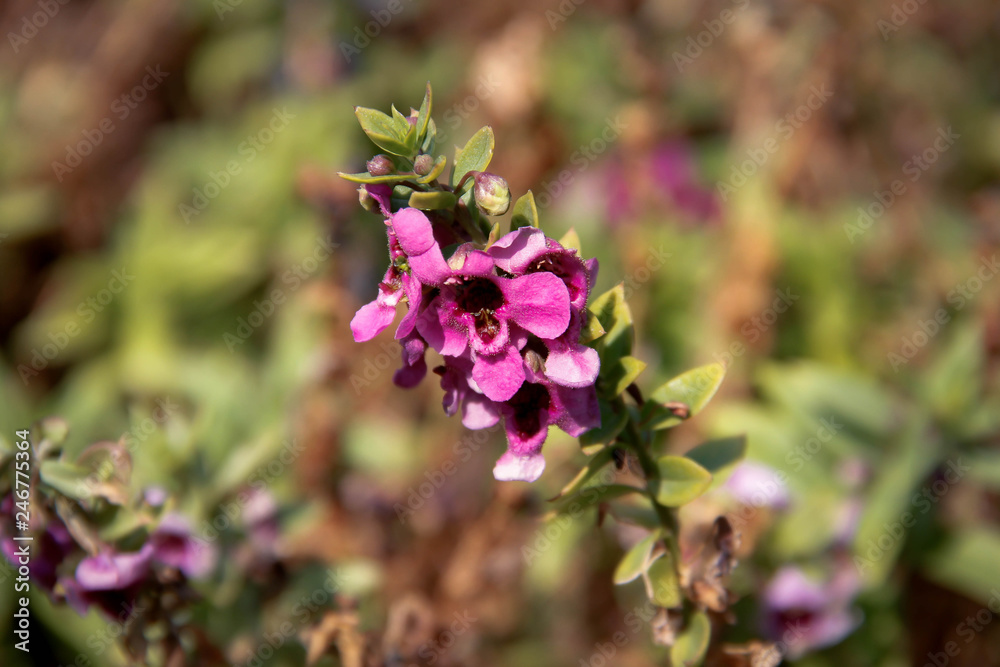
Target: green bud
380,165
367,201
491,193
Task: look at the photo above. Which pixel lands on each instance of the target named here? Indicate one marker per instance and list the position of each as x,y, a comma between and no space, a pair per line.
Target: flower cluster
506,319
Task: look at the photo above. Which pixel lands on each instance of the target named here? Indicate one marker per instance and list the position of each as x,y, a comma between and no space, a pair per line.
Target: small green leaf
424,115
428,144
692,643
616,319
592,329
386,132
66,478
435,171
525,213
590,496
571,240
681,480
475,156
694,389
614,416
594,465
717,455
429,201
663,586
620,374
636,560
365,177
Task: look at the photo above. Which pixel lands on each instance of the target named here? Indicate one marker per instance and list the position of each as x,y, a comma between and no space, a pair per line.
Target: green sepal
525,213
429,201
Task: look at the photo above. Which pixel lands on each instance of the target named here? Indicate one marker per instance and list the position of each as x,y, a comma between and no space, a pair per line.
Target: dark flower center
481,298
530,401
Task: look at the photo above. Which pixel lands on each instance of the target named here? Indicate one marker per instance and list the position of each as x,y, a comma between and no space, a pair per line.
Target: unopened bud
367,201
492,194
423,164
380,165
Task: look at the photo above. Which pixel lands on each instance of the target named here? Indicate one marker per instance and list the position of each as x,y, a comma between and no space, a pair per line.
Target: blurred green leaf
636,560
620,374
692,643
680,481
615,318
662,583
614,416
718,455
594,465
66,478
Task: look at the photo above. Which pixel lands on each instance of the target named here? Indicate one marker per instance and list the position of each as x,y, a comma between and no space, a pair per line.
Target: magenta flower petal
576,409
516,250
110,572
478,412
414,297
499,376
538,302
174,545
381,192
416,238
371,320
572,366
414,366
513,468
438,327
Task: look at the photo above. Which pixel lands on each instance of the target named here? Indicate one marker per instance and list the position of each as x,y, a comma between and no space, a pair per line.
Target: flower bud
380,165
367,201
423,164
491,193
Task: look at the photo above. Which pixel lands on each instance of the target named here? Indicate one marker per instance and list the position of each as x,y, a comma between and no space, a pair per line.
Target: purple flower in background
174,545
667,176
114,571
757,485
806,615
50,548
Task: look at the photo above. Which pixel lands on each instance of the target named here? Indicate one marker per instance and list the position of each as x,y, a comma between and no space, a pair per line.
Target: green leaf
386,132
614,416
592,329
494,234
475,156
717,455
620,374
590,496
424,115
66,478
428,144
525,213
636,560
694,389
680,481
692,643
663,586
969,562
435,171
428,201
365,177
615,317
594,465
571,240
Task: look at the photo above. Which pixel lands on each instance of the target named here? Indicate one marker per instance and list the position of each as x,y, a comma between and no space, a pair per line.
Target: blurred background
807,191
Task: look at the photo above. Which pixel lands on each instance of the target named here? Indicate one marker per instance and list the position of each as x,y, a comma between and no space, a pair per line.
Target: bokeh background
805,190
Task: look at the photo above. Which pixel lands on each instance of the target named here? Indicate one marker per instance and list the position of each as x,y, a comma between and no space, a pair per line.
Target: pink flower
538,404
